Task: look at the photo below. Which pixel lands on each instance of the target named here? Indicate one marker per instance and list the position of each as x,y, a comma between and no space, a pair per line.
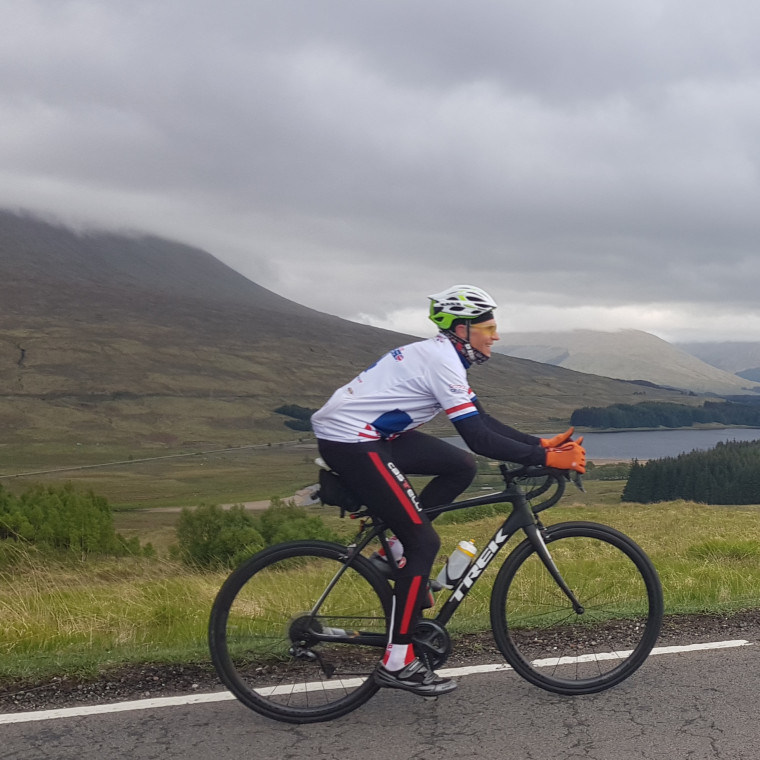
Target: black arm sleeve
505,430
483,439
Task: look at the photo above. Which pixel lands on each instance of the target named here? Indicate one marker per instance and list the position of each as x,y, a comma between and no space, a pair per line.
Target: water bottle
380,561
457,563
397,550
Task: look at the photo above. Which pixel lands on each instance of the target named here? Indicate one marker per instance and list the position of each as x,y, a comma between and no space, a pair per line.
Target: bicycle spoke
547,641
269,650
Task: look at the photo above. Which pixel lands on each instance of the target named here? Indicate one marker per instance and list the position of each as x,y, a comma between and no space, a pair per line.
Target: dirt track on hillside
250,505
300,498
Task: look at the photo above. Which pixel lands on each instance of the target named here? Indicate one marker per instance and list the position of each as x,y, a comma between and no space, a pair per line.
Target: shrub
211,537
298,424
62,519
613,471
300,416
295,411
284,521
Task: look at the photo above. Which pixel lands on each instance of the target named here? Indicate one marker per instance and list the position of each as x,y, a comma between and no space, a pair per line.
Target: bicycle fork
536,538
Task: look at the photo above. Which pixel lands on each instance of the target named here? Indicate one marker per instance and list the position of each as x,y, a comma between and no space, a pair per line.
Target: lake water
655,444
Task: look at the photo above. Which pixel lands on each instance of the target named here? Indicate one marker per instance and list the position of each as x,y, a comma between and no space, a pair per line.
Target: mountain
741,358
134,341
628,355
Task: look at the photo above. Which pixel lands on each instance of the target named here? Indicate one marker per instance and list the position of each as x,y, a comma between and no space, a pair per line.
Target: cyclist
366,432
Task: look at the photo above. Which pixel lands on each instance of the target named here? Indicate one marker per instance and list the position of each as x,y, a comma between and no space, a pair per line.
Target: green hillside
139,343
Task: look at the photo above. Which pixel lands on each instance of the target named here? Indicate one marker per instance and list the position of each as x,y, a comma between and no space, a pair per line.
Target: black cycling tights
376,471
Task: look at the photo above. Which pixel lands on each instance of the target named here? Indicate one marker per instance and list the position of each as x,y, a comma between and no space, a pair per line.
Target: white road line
195,699
140,704
553,661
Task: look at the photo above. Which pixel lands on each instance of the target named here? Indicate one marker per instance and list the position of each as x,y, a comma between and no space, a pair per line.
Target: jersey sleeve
482,433
449,385
483,440
508,432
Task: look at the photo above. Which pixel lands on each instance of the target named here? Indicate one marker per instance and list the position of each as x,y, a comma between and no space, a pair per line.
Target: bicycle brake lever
577,480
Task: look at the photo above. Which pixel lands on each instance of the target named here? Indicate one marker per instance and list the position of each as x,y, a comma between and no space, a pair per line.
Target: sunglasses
489,329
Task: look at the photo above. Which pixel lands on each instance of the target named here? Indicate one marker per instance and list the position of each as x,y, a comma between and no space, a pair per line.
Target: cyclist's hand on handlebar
568,456
558,440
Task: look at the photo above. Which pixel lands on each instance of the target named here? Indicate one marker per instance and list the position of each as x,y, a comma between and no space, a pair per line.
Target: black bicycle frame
520,518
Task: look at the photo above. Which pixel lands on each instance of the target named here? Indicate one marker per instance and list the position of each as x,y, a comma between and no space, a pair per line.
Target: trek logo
480,564
408,490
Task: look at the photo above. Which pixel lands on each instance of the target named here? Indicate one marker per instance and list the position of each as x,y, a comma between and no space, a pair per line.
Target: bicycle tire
546,641
263,610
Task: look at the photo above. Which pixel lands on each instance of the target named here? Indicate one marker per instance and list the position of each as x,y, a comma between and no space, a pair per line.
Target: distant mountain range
629,355
741,358
136,341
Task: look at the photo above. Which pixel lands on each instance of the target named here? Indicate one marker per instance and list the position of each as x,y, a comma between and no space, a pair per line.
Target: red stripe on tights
395,486
411,604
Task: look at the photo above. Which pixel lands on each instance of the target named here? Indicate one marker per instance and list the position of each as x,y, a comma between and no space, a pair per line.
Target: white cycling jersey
404,389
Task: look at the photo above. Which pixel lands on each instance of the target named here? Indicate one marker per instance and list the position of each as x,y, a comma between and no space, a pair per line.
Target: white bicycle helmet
459,302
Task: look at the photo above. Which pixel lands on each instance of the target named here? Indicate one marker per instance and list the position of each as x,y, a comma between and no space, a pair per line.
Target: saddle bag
333,491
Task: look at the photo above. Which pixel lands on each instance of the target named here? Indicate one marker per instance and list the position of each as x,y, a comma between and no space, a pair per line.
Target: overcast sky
592,164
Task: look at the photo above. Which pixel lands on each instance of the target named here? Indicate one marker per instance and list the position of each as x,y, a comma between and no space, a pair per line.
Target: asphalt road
691,706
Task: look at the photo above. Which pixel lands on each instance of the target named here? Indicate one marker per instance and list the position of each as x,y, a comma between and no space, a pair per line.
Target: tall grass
78,618
67,617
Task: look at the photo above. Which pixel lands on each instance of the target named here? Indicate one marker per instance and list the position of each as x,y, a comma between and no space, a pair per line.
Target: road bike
297,630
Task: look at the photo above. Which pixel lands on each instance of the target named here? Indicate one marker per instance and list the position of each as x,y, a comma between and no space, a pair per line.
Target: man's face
482,335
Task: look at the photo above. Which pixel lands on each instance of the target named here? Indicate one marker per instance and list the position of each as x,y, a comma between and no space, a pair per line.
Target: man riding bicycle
366,432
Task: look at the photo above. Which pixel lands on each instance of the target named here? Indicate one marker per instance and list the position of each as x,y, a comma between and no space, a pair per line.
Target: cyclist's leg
369,470
454,468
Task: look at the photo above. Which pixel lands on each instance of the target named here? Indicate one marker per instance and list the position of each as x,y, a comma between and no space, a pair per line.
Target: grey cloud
602,151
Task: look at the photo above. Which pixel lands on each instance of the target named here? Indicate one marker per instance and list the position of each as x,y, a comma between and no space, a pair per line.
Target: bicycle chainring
432,643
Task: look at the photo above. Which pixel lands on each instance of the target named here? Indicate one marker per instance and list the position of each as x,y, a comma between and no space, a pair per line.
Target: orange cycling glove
569,456
558,440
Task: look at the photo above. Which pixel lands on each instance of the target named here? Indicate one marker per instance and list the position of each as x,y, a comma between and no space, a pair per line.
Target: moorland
150,372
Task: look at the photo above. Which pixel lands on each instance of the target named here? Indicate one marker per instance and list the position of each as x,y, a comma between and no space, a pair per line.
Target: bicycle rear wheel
267,634
541,635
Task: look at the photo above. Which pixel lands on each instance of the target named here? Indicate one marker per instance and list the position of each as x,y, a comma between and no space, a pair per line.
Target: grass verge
79,618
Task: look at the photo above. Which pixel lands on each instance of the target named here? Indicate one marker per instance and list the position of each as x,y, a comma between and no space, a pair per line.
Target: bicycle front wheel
290,649
562,650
